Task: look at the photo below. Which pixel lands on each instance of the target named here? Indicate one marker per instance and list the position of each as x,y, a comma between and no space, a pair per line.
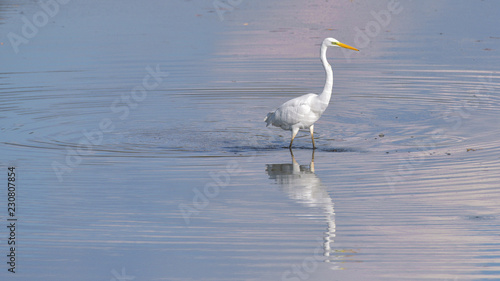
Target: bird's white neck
327,91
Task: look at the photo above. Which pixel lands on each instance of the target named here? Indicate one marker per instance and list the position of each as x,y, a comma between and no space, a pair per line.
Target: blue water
136,130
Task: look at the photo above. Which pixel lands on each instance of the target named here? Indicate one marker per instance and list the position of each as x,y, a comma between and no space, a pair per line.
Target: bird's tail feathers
269,118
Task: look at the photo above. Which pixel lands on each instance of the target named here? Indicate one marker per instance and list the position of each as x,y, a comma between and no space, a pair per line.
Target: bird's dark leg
311,129
294,133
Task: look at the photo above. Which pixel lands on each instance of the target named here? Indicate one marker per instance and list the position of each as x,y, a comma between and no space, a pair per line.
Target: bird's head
332,42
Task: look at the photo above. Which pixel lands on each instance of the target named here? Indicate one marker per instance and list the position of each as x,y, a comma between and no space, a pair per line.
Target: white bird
302,112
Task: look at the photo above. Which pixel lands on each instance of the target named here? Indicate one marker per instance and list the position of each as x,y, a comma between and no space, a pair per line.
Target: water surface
184,182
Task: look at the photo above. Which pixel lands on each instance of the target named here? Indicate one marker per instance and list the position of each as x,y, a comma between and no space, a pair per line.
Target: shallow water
184,182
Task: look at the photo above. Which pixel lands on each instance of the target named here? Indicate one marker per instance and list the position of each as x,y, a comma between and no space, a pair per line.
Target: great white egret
302,112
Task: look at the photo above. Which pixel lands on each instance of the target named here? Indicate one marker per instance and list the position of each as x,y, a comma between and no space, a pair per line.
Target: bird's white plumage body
302,112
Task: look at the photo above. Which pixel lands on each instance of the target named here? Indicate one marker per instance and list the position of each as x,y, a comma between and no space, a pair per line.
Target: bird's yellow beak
346,46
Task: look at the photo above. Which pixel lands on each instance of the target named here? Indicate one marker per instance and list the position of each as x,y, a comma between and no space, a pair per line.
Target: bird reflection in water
301,184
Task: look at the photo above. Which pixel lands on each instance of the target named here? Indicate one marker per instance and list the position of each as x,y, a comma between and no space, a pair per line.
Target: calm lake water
137,136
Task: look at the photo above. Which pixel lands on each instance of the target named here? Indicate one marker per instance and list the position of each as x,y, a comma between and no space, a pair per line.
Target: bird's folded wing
295,110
